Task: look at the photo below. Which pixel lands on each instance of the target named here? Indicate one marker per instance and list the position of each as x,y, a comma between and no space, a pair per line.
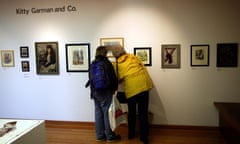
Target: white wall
182,96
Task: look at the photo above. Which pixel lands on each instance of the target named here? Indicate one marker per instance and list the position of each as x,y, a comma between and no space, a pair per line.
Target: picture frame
199,55
227,54
7,58
47,61
144,54
25,66
78,57
110,42
171,55
24,53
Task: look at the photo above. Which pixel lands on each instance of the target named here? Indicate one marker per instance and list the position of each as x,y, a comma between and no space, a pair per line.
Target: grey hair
117,51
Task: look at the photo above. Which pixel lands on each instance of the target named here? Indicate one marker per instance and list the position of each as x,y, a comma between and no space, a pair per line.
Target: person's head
49,48
101,51
117,51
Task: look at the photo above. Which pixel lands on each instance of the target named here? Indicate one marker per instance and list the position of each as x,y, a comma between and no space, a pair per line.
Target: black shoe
144,140
101,139
130,136
114,138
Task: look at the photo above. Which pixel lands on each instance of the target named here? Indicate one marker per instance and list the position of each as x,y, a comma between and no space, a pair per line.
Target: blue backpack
99,77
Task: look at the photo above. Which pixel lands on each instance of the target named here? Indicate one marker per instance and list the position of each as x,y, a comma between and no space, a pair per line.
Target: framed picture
47,61
144,54
171,56
25,66
227,54
7,58
78,57
199,55
24,52
110,42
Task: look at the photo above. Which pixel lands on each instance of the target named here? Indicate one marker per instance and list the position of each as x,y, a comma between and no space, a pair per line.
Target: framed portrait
25,66
110,42
7,58
47,61
199,55
144,54
24,52
78,57
227,54
170,55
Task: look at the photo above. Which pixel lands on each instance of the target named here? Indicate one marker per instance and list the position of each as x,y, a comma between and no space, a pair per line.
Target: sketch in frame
227,54
144,54
78,57
7,58
25,66
24,53
110,42
200,55
171,55
47,61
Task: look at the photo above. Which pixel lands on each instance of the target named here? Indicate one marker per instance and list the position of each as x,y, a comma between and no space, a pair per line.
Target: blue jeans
102,101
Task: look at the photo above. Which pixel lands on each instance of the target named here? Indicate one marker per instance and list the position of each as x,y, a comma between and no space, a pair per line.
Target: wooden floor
84,133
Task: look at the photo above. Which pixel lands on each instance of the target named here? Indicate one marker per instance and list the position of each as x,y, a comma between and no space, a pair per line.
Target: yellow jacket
134,74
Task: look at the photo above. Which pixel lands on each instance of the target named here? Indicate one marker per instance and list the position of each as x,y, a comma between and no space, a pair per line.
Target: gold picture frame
112,41
7,58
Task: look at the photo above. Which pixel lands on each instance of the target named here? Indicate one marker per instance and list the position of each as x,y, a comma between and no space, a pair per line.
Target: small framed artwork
171,55
7,58
144,54
24,52
78,57
47,61
110,42
227,54
199,55
25,66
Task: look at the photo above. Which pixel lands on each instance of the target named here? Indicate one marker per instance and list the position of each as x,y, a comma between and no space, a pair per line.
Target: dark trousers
138,102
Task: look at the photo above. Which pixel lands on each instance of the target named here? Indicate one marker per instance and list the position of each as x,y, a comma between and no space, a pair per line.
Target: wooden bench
229,121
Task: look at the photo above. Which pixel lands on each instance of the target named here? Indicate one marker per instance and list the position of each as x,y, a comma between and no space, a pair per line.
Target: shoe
101,139
144,140
130,136
114,138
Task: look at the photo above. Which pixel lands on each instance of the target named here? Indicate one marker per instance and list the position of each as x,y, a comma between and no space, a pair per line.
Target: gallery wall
182,96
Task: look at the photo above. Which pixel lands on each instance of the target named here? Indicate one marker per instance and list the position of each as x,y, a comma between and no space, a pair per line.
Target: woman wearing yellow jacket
137,84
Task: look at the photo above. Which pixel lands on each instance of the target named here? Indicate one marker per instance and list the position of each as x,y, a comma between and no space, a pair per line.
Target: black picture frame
24,52
199,55
144,54
227,54
78,57
47,64
25,66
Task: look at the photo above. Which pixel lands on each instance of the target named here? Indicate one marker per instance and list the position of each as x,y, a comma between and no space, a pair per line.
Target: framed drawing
78,57
25,66
144,54
24,52
170,55
110,42
227,54
47,61
7,58
199,55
